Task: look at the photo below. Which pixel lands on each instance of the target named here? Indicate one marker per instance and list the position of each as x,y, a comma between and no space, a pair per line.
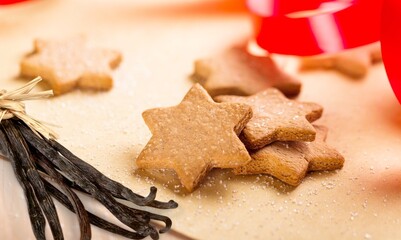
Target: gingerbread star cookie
236,72
320,156
276,118
290,161
354,62
70,63
195,136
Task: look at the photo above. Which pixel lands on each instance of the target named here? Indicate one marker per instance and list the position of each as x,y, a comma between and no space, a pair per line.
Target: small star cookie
276,118
320,156
236,72
354,62
195,136
70,63
289,161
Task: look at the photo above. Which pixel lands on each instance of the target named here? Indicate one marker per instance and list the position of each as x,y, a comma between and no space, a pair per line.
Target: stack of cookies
263,132
281,139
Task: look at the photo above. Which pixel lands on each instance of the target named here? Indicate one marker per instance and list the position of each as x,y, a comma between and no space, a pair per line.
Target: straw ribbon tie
11,105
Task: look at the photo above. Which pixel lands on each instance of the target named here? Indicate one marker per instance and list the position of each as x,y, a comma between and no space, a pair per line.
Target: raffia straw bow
11,105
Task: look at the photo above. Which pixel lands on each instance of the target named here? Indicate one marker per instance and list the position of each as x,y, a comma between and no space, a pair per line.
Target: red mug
310,27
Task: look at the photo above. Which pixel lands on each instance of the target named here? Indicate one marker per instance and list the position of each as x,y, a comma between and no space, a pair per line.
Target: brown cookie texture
276,118
290,161
195,136
321,157
71,63
236,72
354,62
277,160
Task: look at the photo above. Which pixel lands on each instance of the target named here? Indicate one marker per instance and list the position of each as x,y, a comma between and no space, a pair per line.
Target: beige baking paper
159,41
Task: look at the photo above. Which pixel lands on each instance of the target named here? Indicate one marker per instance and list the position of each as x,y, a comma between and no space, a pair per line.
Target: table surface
159,41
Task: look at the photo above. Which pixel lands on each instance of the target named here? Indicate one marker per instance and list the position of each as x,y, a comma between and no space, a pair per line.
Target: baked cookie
195,136
236,72
276,118
354,62
290,161
321,157
70,63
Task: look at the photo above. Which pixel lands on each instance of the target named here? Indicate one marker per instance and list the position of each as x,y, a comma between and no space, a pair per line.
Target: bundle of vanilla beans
46,169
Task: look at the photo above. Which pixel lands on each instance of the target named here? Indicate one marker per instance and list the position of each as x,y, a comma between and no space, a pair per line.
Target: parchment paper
159,41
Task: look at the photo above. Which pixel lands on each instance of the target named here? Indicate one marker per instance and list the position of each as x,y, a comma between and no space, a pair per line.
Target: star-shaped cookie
195,136
276,118
70,63
354,62
236,72
289,161
321,157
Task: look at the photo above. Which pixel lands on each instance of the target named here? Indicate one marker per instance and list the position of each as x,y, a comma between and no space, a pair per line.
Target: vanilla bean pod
76,204
39,162
138,222
93,219
38,220
23,157
115,188
59,179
